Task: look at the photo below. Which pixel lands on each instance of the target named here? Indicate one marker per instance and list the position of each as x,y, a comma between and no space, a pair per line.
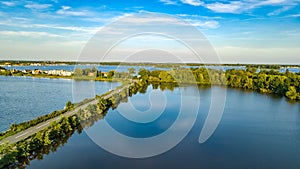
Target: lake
26,98
256,130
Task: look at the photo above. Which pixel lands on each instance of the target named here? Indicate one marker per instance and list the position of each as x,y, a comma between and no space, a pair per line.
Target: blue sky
251,31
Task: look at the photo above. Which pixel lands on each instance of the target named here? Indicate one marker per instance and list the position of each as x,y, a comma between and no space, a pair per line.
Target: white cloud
246,5
279,11
28,34
293,16
232,7
8,3
21,19
147,20
192,2
71,28
65,7
270,2
66,10
206,24
168,2
37,6
198,16
25,24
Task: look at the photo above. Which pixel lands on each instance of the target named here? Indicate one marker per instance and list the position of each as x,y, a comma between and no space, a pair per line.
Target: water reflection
256,131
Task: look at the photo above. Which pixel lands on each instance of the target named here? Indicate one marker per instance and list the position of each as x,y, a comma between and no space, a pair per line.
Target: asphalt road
32,130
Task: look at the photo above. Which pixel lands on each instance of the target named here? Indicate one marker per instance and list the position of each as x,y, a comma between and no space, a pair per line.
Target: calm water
256,131
25,98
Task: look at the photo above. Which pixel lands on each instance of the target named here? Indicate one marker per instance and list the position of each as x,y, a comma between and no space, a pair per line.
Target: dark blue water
25,98
256,131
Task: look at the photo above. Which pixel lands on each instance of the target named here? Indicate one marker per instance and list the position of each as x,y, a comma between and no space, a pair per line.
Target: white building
59,72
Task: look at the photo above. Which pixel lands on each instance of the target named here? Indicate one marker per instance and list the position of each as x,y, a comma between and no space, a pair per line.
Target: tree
131,71
99,74
144,74
47,140
94,69
86,71
7,73
69,105
111,74
78,72
292,93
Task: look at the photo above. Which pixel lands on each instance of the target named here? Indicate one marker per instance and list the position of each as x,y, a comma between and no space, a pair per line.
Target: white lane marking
22,134
43,125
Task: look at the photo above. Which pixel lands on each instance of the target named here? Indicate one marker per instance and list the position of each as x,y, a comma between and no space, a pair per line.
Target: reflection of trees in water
44,150
164,86
59,141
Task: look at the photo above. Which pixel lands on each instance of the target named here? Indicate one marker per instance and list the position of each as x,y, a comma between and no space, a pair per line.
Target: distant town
36,72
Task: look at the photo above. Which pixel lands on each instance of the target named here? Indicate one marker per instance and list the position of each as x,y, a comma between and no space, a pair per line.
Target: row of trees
95,73
5,72
15,128
20,153
283,84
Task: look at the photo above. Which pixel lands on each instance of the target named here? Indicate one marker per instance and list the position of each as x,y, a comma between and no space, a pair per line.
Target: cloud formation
7,3
169,2
193,2
232,7
66,10
27,34
36,6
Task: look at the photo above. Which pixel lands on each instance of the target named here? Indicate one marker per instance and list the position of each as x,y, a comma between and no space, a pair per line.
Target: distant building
66,73
59,72
92,74
26,71
36,72
35,64
104,74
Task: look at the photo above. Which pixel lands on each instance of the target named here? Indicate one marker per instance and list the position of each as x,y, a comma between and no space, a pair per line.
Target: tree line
15,128
94,73
266,81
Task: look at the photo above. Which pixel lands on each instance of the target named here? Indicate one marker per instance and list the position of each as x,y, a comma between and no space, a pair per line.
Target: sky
241,31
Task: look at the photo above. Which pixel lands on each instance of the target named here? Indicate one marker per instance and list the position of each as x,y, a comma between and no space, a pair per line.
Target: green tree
86,71
111,74
144,74
47,140
69,105
94,69
292,93
78,72
131,71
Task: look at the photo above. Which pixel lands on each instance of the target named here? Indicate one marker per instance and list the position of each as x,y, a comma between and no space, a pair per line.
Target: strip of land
32,130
